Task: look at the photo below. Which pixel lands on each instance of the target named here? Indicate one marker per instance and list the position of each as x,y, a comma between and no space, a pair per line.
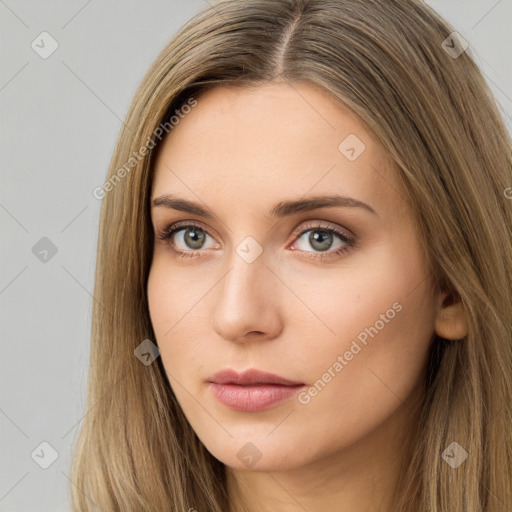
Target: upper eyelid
182,224
322,224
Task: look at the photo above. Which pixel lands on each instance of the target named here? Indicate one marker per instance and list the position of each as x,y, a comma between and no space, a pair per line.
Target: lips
252,390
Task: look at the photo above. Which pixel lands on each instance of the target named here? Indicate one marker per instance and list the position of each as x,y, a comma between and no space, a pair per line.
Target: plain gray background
60,118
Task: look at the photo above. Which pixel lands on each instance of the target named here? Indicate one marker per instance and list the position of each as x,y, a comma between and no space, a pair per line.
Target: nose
247,306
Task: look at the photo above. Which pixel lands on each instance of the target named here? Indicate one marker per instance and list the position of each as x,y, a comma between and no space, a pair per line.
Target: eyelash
349,242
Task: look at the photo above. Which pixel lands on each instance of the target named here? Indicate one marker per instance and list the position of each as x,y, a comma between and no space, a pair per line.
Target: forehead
256,146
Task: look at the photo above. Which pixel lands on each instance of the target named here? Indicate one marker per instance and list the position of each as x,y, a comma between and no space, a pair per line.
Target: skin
240,152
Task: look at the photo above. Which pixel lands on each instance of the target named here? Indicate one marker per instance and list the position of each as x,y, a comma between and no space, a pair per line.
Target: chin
258,453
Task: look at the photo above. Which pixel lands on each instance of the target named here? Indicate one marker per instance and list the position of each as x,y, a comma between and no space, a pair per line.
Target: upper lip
250,377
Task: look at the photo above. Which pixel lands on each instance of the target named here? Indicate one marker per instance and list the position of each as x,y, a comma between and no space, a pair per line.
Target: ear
451,320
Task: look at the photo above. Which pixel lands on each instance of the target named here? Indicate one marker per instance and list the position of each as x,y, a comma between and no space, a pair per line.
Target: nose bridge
244,285
245,302
248,270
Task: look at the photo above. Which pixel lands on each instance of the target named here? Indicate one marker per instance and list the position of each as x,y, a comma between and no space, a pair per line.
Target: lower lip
252,398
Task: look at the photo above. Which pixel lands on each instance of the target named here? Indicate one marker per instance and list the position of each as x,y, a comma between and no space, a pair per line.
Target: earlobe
451,320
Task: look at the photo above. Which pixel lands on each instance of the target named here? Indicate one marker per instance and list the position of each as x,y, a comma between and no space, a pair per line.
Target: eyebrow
282,209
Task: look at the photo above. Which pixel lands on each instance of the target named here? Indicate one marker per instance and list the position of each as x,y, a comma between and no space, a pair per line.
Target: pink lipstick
252,390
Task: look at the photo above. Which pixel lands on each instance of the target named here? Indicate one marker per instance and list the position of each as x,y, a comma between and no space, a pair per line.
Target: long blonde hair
433,112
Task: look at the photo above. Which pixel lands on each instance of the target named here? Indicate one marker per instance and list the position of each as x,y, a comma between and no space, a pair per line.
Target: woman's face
261,282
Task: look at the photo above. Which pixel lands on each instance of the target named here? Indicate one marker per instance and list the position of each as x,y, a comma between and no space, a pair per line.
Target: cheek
383,320
379,301
335,306
171,294
162,301
175,311
358,384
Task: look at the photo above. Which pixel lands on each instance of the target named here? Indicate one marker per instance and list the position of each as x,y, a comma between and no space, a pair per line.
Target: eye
187,239
325,240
